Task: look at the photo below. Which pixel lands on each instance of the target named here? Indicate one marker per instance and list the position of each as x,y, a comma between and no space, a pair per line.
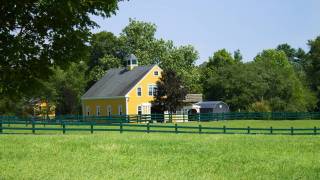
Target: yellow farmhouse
123,91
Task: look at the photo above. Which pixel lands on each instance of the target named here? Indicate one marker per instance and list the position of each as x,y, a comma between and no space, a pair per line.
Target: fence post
291,130
91,127
248,129
63,128
200,128
1,126
315,130
224,129
271,130
176,128
33,127
183,115
121,128
148,127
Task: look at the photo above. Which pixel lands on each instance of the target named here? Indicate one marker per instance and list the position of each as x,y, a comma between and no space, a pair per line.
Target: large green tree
313,67
170,92
138,38
37,35
267,83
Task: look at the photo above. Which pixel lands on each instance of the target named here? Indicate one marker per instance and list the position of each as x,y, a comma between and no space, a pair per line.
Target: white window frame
139,106
88,110
120,109
109,110
98,111
139,87
154,73
153,87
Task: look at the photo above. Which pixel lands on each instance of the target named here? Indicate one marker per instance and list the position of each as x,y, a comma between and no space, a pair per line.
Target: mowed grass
111,155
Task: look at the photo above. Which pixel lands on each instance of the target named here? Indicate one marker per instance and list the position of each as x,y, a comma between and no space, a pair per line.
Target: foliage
170,92
313,69
70,86
138,38
221,58
270,78
38,35
260,106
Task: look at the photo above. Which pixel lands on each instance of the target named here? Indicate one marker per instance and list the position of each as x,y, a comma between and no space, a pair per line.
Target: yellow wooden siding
104,103
134,100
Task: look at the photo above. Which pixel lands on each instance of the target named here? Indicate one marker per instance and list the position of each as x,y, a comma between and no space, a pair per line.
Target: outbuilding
213,107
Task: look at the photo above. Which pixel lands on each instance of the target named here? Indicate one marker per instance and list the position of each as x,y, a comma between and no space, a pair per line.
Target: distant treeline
279,79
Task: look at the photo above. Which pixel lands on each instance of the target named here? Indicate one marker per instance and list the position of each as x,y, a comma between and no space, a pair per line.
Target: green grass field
159,156
111,155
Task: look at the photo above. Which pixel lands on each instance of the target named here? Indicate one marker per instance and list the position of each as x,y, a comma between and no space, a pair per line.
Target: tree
105,63
285,91
69,85
36,36
221,58
237,56
267,83
138,38
170,92
313,67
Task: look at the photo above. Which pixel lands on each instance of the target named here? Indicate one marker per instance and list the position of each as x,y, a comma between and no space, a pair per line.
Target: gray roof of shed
117,82
209,104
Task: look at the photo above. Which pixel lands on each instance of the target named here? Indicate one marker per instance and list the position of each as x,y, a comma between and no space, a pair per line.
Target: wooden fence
35,127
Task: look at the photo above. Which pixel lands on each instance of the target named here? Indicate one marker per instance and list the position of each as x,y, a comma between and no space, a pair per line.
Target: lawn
111,155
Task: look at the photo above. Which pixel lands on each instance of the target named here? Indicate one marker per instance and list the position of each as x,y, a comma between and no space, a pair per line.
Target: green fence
150,118
38,127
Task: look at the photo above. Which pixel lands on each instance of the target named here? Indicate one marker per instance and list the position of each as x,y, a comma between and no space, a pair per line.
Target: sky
210,25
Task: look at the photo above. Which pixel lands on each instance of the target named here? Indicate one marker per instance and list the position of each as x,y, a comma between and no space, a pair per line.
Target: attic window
156,73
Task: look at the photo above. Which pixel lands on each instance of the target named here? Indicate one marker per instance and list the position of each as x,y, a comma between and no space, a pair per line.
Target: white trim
109,110
88,110
138,108
94,98
120,109
98,110
140,91
127,99
154,66
153,85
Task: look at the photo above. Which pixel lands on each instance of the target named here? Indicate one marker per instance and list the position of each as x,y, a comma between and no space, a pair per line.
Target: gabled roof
209,104
117,82
193,98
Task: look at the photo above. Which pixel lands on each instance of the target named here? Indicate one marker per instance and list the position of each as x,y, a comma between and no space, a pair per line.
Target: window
139,110
139,91
88,110
152,90
98,111
120,109
109,110
156,73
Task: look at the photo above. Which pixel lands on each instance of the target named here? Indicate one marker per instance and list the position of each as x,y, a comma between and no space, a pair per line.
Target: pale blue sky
209,25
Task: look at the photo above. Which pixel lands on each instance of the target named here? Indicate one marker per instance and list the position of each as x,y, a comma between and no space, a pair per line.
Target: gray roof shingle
117,82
